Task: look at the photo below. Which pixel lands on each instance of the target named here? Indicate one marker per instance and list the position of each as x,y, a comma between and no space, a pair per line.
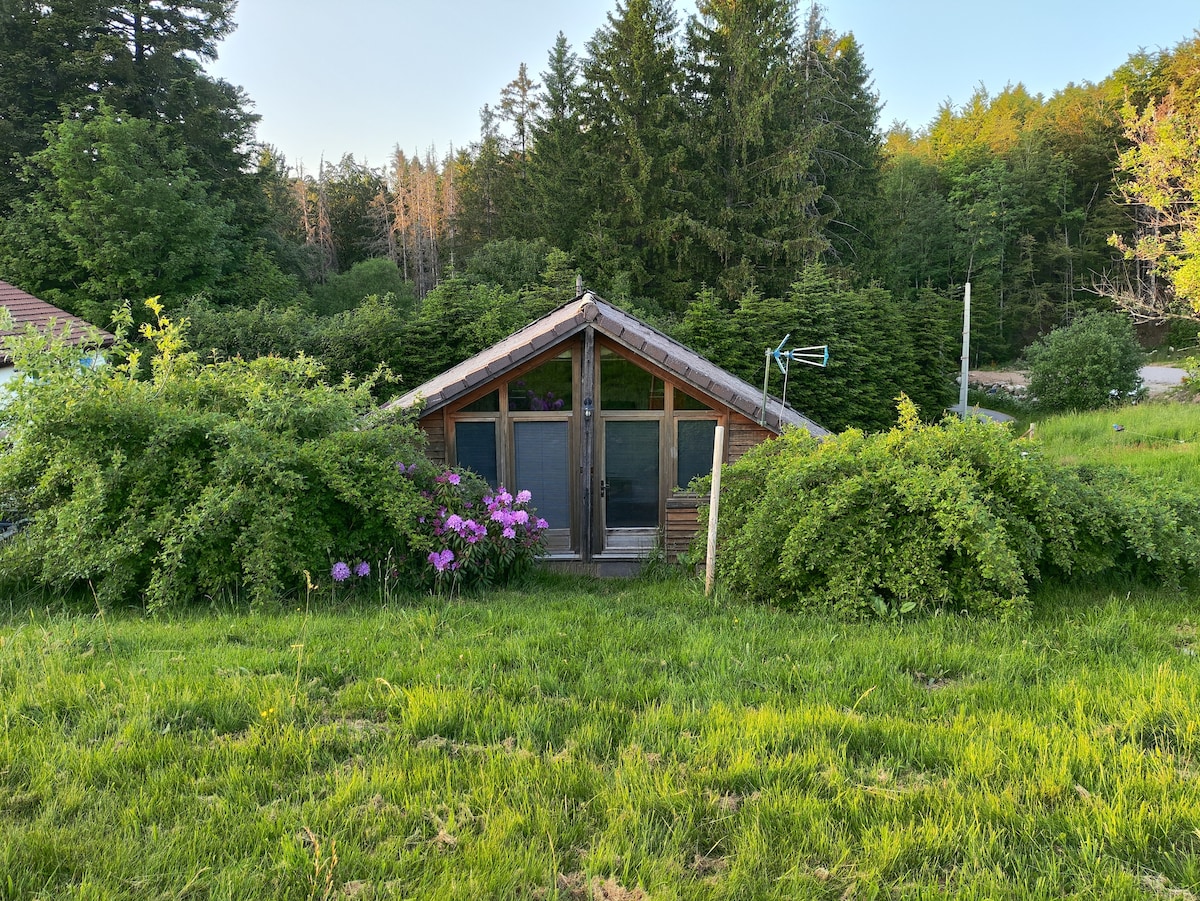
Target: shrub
1085,365
959,516
196,480
1191,380
378,276
475,537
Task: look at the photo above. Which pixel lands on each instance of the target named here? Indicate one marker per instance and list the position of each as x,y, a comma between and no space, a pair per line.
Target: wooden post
710,561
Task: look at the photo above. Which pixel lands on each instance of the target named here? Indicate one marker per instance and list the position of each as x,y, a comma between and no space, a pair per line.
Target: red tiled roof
28,310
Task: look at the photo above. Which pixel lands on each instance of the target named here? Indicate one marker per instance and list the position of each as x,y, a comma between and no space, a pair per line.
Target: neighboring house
605,420
28,310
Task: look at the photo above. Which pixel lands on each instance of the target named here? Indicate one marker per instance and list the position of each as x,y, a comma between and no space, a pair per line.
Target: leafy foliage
1083,366
958,516
198,480
346,290
1162,181
117,212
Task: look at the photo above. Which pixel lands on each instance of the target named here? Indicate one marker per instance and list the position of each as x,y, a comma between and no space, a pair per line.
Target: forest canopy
724,175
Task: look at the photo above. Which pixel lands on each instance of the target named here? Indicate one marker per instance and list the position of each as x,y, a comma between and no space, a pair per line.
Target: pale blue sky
362,76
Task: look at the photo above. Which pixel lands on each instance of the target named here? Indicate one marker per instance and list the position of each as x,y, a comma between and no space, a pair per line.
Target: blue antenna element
817,355
779,353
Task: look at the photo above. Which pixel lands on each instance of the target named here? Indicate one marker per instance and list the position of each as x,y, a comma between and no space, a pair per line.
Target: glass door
630,484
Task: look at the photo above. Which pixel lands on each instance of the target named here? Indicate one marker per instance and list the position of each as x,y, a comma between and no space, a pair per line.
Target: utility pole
966,353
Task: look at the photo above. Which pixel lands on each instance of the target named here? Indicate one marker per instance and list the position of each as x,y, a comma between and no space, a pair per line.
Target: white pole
966,353
710,563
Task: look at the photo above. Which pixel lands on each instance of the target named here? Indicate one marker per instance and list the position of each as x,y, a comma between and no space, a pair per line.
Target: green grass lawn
1156,438
610,740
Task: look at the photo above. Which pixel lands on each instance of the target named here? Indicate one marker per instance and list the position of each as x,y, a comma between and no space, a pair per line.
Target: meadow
623,739
1155,438
601,740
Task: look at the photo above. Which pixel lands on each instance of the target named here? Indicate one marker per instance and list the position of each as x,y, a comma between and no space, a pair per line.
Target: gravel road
1157,379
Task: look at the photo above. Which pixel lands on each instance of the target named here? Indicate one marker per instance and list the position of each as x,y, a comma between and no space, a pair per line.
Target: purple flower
504,498
509,532
542,524
454,523
363,570
406,470
524,497
441,559
340,572
453,478
520,517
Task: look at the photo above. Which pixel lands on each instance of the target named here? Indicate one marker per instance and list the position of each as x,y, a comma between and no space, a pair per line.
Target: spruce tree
634,171
754,196
556,162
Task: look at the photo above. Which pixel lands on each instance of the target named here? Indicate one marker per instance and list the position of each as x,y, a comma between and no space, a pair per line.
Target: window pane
631,474
489,403
475,448
542,468
695,449
626,386
547,388
687,402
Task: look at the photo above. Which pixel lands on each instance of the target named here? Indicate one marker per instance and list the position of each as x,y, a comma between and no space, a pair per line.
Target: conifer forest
725,176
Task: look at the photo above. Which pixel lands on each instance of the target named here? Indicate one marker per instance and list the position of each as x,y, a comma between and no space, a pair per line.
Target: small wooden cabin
605,420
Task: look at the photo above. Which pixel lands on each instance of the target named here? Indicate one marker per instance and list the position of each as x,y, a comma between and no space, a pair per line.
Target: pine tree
754,215
635,155
556,163
848,156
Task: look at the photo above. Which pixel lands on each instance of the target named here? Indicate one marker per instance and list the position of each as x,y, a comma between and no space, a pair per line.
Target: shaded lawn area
601,740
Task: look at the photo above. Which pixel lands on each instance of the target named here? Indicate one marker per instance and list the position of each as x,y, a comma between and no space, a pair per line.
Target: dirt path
1157,379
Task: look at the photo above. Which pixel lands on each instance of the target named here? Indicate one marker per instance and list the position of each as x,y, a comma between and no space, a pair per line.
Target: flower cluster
341,570
458,533
479,537
443,560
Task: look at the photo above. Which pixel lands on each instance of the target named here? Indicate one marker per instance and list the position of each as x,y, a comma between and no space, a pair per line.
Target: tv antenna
817,355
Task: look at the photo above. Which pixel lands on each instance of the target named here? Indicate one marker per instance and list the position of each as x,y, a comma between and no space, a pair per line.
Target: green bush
378,276
197,479
352,343
1085,365
959,516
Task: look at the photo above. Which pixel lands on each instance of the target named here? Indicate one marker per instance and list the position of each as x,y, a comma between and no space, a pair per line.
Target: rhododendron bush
471,535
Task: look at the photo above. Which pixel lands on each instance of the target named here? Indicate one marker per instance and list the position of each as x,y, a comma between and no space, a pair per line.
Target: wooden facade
604,419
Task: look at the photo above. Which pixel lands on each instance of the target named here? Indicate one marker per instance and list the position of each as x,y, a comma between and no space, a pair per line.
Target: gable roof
589,310
28,310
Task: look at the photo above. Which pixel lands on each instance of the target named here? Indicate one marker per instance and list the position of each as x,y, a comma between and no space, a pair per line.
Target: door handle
602,486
